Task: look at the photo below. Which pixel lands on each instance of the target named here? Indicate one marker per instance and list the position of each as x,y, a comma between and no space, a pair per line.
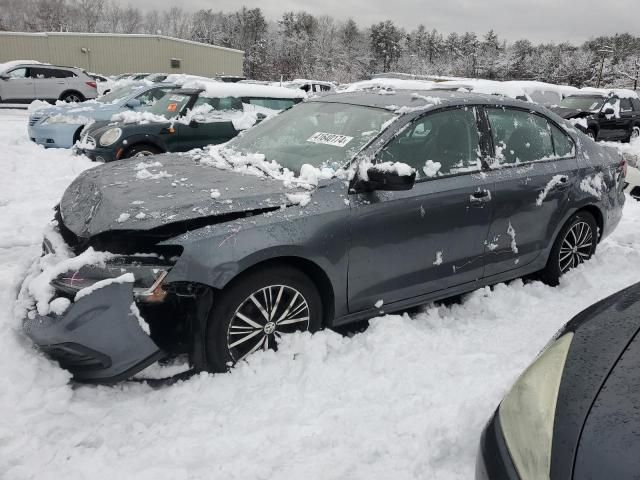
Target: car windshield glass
316,133
171,105
585,103
119,94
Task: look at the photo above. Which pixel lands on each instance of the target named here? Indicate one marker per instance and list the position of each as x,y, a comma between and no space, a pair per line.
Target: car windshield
316,133
119,94
171,105
583,102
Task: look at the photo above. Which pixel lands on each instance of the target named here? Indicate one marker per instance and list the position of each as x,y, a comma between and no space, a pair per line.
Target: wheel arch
311,269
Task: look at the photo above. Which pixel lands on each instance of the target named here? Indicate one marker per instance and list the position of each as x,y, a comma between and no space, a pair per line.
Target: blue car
60,126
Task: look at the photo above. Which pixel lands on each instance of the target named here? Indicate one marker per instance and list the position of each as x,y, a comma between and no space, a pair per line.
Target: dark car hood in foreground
125,195
567,113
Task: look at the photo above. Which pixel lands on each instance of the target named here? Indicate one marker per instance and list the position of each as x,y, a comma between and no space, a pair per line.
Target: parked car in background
24,83
60,126
323,215
573,413
310,86
547,94
211,113
104,84
603,115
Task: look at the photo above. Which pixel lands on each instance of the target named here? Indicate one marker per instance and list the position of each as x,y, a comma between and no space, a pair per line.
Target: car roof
416,98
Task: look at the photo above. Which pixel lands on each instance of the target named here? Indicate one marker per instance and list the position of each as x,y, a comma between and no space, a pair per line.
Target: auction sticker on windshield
330,139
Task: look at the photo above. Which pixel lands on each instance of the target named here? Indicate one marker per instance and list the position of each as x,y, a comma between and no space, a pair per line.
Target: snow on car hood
164,189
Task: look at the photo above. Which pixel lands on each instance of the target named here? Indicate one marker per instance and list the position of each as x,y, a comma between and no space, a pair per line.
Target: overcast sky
537,20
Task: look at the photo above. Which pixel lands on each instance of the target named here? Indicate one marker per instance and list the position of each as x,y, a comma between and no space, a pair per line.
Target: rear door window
563,145
519,136
440,143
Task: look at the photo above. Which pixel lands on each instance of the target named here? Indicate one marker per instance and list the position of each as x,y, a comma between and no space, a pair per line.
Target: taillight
92,84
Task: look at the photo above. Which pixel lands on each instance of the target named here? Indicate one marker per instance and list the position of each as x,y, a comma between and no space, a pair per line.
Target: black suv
603,117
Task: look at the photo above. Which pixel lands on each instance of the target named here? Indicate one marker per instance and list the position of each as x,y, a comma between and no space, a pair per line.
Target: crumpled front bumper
98,338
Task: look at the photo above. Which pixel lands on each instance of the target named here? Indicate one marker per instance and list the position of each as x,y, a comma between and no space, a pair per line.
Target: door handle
61,83
480,197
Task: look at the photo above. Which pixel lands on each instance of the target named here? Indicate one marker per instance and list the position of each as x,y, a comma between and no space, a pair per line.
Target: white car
104,84
24,83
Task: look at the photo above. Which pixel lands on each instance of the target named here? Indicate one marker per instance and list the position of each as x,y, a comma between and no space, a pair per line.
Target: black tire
226,342
141,150
591,133
72,97
576,243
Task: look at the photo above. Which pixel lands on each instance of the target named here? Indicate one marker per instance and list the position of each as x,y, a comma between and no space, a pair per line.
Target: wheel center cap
269,328
575,249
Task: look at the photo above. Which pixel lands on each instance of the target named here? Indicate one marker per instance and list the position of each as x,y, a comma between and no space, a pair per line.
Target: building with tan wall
111,54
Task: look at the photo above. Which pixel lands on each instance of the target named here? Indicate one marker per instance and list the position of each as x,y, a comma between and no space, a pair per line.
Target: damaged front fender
99,339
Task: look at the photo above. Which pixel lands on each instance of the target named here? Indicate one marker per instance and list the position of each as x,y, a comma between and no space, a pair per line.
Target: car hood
568,113
132,195
85,109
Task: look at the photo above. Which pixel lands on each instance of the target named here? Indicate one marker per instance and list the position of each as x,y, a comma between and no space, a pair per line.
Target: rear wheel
141,151
256,310
575,244
72,97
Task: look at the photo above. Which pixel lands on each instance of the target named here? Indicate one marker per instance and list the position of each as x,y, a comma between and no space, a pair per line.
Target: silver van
24,83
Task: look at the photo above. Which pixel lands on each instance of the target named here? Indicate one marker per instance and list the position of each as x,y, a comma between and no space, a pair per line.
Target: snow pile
14,63
145,174
337,405
215,89
593,185
555,181
438,260
299,198
389,84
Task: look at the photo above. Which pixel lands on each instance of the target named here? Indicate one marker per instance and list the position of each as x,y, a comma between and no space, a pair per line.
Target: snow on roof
306,80
389,83
531,86
215,89
618,92
490,87
14,63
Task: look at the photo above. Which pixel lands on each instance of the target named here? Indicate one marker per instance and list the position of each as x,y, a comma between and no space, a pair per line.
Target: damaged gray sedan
339,209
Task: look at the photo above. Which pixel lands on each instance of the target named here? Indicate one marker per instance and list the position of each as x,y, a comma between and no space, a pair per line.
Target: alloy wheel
263,317
635,132
577,246
72,98
143,153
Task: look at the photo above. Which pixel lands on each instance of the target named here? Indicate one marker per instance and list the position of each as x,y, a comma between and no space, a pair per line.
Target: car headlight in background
528,410
110,136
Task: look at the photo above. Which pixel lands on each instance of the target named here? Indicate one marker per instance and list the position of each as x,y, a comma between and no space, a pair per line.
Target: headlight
54,119
110,136
527,412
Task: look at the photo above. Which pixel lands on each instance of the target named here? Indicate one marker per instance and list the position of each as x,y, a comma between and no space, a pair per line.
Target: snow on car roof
215,89
389,83
490,87
14,63
530,86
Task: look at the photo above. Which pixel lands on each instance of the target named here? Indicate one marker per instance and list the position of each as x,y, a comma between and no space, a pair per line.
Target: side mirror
608,111
388,177
133,103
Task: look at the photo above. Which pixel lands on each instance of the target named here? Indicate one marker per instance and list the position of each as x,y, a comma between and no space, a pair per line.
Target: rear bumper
493,461
99,338
53,136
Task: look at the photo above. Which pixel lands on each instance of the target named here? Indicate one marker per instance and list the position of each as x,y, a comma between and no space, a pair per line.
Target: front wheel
72,97
635,133
591,133
256,310
141,151
576,243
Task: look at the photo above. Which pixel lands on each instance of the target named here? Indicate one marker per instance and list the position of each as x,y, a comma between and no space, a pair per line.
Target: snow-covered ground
405,399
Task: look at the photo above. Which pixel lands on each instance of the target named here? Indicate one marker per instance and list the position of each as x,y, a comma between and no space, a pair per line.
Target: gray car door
19,86
410,243
534,168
